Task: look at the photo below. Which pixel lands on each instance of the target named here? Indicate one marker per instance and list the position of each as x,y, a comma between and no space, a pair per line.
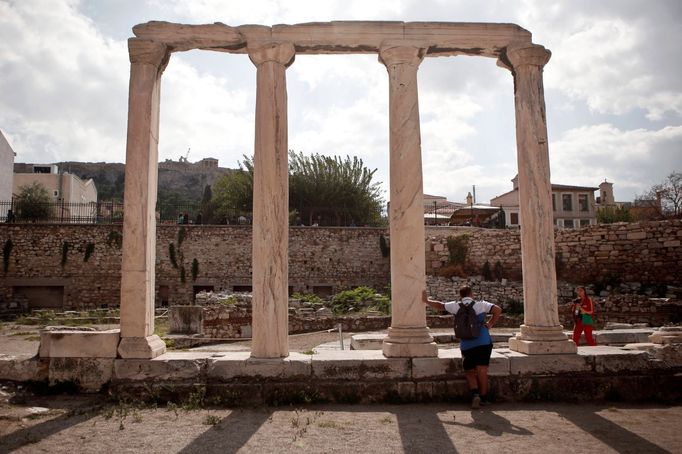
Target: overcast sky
613,89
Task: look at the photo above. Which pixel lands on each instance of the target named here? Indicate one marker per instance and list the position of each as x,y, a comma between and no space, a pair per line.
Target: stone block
448,364
367,341
89,374
520,364
614,360
359,365
79,344
241,364
186,319
622,336
542,347
167,367
636,235
23,368
499,364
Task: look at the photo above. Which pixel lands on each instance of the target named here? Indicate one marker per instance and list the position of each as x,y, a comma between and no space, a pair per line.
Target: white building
6,170
573,206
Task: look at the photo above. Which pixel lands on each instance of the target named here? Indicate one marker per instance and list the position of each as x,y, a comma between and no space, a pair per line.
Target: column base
409,343
542,340
141,347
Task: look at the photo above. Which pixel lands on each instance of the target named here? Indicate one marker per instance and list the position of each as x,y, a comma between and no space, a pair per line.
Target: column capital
527,54
401,54
277,52
147,52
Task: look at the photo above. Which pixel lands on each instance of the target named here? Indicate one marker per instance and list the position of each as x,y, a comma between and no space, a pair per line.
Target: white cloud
205,113
634,159
63,86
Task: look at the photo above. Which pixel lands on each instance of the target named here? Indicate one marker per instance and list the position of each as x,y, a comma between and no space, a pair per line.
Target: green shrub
6,251
307,298
182,233
498,271
383,245
458,246
89,249
115,239
172,256
359,299
195,269
65,252
487,272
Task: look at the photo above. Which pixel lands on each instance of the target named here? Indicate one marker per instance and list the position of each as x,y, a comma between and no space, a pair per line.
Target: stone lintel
341,37
182,37
141,347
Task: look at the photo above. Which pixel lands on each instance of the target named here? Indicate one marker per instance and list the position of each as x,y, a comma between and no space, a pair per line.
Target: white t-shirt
482,308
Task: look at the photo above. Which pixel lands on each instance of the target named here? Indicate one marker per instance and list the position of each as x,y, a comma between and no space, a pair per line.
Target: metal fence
110,212
61,212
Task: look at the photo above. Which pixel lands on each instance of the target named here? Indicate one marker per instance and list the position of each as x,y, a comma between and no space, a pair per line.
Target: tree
610,215
333,190
233,193
33,202
665,198
337,191
207,206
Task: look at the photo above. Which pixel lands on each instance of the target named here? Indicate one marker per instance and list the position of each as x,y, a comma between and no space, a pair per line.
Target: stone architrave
271,202
408,335
541,332
148,60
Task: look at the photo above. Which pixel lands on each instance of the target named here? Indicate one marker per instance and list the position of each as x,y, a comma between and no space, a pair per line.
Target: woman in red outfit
583,311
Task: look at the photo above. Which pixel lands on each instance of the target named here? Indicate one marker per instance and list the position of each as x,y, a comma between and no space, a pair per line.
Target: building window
568,224
567,200
582,202
514,218
584,222
553,202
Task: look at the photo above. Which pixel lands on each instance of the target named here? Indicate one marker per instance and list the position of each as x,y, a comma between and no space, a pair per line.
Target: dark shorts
477,356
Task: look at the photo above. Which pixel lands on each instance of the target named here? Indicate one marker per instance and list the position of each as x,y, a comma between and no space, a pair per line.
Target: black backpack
466,322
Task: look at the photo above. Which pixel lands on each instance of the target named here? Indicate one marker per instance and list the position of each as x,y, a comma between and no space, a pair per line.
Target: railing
111,212
61,212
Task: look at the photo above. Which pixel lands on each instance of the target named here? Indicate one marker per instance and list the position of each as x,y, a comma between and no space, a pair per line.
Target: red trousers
578,330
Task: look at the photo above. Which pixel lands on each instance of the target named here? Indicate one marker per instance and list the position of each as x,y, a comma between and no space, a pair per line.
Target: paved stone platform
634,372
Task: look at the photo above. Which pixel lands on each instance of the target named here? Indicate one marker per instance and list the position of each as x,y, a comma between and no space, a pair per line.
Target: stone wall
322,260
646,252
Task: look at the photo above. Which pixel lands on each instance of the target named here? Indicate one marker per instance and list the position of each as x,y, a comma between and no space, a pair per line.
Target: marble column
541,332
408,335
148,59
270,324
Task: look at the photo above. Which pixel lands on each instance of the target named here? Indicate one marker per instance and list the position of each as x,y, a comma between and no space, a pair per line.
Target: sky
613,89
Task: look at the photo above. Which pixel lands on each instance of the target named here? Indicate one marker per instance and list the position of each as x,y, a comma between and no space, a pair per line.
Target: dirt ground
83,424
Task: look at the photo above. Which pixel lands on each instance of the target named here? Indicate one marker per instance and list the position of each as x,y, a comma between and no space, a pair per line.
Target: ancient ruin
401,47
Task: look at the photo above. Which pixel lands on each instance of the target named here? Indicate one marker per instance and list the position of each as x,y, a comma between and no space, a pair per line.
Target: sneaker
476,402
485,402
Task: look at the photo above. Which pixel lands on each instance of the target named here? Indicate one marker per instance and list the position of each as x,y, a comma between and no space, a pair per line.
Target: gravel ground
82,424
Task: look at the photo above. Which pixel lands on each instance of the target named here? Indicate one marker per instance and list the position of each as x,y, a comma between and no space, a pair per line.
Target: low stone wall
51,264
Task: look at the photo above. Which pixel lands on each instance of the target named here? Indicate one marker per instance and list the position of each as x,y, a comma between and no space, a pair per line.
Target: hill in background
180,182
